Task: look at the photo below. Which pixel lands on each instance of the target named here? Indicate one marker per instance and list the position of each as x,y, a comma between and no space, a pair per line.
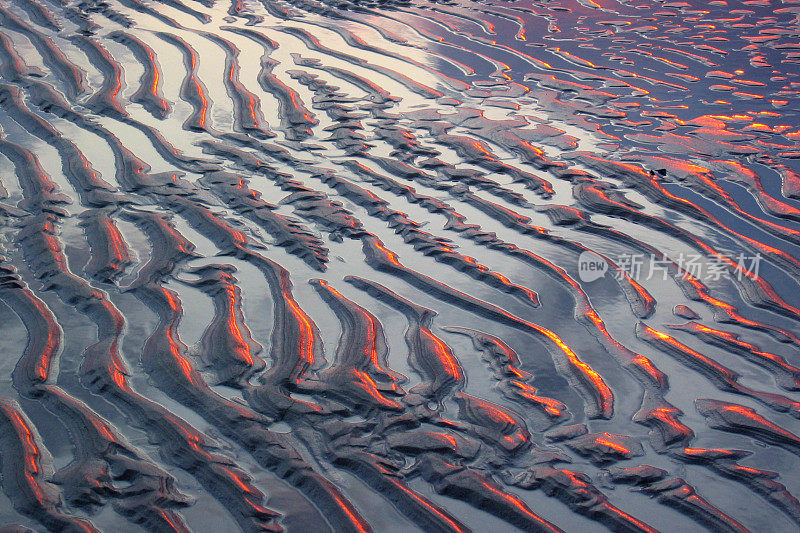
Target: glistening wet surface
400,265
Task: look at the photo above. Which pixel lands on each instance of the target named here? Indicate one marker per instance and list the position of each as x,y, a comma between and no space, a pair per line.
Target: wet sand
399,266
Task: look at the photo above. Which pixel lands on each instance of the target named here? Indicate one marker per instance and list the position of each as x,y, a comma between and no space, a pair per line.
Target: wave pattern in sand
444,266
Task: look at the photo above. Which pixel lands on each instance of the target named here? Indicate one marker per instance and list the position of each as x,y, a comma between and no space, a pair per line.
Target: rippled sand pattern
316,265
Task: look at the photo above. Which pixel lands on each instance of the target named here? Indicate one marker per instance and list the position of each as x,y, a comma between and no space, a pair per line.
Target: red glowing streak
306,333
613,445
204,103
444,355
185,366
233,326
